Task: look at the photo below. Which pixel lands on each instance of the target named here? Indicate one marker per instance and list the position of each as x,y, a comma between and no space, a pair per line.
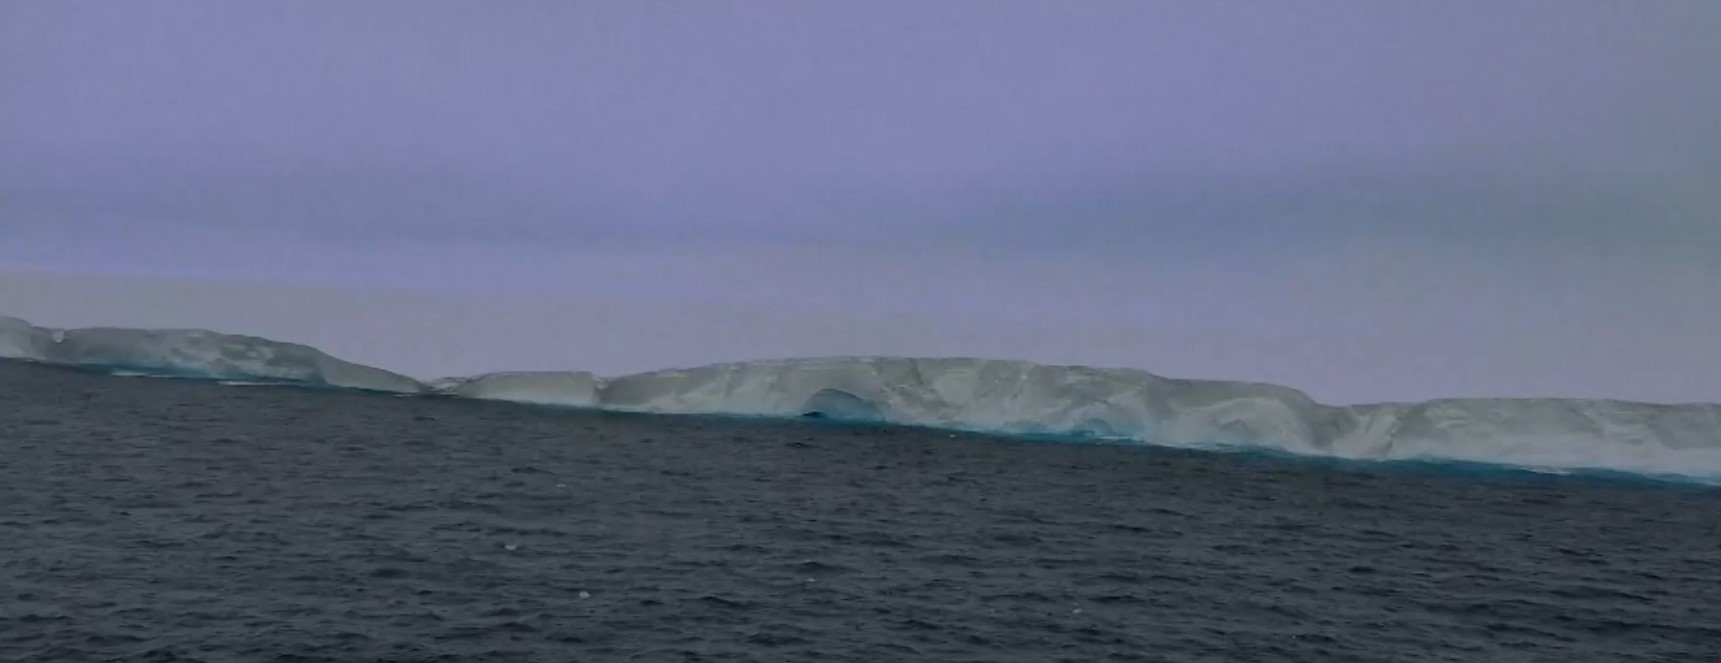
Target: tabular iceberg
1017,397
1553,433
981,394
193,353
1000,396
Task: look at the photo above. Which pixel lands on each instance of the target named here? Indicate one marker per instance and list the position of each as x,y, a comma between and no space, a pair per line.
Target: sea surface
173,520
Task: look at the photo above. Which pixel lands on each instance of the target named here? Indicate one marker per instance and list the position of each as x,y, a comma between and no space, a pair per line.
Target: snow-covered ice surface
995,396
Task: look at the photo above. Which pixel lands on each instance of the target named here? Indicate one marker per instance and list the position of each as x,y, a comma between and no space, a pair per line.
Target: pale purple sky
1368,200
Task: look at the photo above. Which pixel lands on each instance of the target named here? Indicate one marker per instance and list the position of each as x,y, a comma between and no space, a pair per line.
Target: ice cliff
1017,397
192,353
1012,397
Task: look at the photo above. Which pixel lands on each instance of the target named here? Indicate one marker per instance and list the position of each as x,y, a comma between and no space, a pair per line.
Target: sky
1366,200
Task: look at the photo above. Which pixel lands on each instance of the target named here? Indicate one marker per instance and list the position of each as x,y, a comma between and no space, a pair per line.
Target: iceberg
1570,434
564,389
21,340
1131,405
987,395
983,395
192,353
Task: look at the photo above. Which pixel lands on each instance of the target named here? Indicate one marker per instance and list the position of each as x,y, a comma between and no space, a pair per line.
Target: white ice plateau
985,395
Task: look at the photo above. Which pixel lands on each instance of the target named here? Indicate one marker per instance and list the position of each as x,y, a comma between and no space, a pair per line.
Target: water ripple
178,521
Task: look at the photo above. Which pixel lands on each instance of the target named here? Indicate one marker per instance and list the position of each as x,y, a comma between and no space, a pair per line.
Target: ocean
178,520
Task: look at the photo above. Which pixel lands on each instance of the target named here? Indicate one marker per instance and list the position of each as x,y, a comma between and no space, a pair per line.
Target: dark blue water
165,520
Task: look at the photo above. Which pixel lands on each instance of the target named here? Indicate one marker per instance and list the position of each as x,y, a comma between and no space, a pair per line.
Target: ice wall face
1569,433
21,340
196,353
982,394
565,389
1024,398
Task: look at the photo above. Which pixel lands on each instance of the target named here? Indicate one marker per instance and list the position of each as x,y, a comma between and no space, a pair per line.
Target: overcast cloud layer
1369,200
